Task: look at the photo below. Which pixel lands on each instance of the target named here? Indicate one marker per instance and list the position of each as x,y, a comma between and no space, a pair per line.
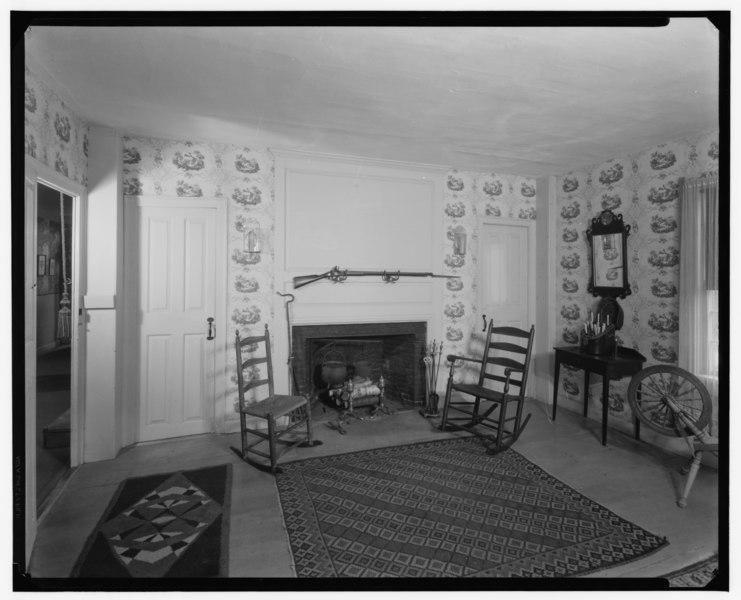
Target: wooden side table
624,362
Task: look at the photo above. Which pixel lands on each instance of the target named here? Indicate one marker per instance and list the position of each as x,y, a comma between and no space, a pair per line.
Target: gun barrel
396,273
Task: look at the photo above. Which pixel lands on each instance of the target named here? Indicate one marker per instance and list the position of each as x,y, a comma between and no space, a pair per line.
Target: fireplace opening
387,357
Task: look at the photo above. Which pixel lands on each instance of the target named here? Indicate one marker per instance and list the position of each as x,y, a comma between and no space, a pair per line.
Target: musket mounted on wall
337,275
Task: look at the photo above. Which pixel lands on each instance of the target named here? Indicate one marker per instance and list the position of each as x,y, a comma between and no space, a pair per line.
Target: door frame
130,426
35,173
529,226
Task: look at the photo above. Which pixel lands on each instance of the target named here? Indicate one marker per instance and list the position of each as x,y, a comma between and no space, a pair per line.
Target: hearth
329,356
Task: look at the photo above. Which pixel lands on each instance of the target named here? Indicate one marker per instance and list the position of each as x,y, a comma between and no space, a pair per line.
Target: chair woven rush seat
278,406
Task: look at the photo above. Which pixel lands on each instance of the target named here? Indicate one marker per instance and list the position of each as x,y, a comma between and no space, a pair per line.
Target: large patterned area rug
167,525
447,509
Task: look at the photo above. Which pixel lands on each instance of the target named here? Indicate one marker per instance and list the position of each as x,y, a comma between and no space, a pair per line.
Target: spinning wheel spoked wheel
669,399
673,402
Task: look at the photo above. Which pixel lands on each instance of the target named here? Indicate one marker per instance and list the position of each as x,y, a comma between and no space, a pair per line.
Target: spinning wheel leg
694,468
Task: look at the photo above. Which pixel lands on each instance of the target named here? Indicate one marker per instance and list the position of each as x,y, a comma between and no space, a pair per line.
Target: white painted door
181,254
506,290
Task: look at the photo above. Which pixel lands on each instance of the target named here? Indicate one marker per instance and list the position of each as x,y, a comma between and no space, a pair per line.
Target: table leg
586,392
605,405
555,385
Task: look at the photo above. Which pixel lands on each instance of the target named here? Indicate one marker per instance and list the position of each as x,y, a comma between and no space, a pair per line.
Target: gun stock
302,280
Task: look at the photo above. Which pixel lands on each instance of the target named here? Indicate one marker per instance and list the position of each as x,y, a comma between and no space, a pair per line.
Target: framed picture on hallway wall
52,267
41,265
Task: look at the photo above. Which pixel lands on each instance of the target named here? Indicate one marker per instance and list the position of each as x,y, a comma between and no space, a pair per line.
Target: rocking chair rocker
494,414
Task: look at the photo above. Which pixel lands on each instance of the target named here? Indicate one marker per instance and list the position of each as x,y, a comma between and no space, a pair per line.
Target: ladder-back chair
282,414
495,413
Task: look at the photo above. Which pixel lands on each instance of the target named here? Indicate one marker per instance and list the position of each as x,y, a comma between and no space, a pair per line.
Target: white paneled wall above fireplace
357,214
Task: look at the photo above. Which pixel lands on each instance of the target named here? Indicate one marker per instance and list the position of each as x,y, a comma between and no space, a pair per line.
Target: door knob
211,328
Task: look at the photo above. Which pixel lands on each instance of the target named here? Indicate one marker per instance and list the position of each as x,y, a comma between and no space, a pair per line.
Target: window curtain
698,283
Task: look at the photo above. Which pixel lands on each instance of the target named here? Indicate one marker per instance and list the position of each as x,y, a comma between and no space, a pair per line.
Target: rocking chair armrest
453,357
509,370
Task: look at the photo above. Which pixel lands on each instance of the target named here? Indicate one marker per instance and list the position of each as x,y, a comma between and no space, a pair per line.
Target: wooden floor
637,481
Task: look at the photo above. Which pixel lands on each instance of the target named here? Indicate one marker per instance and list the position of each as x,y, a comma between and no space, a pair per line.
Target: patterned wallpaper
245,177
469,196
54,135
644,188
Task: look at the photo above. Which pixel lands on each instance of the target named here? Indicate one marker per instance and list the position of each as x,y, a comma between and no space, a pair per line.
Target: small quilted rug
447,509
168,525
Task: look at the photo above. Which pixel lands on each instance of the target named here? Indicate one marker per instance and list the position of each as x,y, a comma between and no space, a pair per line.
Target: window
698,283
713,328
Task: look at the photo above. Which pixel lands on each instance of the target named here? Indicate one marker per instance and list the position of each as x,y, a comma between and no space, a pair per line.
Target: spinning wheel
667,398
673,402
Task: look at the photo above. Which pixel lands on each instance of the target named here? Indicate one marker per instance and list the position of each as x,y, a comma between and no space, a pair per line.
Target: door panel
505,274
196,280
157,359
194,381
157,275
177,294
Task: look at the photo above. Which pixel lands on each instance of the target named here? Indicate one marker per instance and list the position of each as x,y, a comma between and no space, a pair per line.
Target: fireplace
393,351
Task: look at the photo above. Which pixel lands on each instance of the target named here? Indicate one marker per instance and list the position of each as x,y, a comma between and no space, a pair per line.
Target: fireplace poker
310,442
431,360
291,298
439,360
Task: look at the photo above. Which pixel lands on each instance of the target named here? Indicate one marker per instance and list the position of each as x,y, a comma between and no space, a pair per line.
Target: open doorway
54,271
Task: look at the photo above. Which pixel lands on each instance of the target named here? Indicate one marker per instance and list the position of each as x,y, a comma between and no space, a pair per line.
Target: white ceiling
521,101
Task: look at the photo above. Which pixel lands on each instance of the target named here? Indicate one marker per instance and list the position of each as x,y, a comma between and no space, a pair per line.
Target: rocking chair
494,414
282,414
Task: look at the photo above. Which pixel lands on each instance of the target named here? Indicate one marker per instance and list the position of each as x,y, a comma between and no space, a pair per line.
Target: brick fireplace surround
394,350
